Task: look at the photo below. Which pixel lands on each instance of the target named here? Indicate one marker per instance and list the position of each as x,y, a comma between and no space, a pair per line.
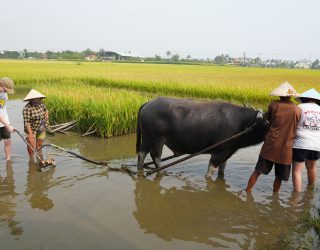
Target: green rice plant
196,81
112,111
69,87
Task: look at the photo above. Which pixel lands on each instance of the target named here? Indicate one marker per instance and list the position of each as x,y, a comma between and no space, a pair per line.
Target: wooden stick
90,127
89,133
58,125
68,128
64,126
162,159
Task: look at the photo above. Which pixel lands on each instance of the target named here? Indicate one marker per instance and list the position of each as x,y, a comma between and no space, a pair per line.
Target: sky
284,29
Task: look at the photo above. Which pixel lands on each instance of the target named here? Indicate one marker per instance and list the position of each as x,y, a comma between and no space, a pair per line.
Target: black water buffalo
187,126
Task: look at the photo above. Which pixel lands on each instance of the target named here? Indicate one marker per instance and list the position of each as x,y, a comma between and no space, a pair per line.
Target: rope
75,154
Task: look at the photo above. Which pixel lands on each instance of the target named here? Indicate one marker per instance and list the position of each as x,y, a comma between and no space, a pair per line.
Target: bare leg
30,150
296,176
252,181
312,171
276,184
38,146
7,148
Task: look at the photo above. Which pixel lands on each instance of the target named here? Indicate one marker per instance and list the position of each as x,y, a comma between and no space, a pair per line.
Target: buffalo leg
222,166
141,157
211,168
156,152
143,151
219,160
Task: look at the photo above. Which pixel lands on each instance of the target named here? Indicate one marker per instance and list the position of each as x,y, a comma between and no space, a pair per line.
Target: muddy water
78,205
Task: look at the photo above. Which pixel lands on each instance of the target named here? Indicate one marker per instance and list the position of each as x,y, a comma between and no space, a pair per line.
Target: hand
10,128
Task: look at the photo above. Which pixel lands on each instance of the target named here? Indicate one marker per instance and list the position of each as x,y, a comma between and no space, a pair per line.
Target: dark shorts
300,155
4,133
282,171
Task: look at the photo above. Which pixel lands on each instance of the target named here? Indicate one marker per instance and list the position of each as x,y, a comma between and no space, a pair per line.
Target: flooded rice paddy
78,205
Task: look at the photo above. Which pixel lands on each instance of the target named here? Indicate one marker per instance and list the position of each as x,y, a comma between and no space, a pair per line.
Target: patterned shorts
41,135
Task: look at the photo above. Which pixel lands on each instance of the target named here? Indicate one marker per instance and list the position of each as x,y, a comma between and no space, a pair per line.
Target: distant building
236,61
111,55
92,57
304,64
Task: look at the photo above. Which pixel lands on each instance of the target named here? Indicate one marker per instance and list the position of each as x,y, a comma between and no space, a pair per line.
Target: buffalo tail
138,142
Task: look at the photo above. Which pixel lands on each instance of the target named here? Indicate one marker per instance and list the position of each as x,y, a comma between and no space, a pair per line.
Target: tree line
223,59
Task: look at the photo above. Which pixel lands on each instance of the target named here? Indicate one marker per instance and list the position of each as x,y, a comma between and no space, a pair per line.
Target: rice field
111,111
110,94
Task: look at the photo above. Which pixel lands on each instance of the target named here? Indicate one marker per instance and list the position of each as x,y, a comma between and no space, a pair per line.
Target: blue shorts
300,155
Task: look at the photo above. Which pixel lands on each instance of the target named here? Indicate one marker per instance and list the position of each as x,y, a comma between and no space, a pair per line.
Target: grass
112,111
102,91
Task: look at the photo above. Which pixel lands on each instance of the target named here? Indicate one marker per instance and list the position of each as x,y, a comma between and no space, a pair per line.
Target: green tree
157,58
88,52
175,58
12,54
25,53
315,64
218,60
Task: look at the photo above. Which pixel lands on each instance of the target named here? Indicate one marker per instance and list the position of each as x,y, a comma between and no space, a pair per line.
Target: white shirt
308,130
3,108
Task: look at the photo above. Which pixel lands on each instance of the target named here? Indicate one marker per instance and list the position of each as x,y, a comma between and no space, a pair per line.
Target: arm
6,124
29,131
27,123
46,111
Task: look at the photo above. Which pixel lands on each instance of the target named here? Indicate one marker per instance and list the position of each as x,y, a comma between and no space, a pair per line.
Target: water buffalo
187,126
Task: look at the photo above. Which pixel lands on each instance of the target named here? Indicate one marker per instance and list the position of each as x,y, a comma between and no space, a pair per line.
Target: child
306,146
6,87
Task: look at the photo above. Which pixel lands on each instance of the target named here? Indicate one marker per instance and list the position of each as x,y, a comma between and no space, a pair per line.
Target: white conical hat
33,94
310,94
285,89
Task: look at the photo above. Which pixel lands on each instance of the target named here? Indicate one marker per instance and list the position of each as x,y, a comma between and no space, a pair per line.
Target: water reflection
7,204
38,184
96,148
213,216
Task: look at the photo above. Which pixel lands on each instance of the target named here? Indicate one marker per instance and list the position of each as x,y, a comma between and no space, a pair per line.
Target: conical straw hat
285,89
33,94
309,94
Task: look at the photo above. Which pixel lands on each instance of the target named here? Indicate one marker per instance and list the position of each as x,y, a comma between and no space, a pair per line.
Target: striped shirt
35,117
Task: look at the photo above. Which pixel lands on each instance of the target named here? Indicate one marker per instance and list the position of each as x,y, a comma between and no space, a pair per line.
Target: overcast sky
200,28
